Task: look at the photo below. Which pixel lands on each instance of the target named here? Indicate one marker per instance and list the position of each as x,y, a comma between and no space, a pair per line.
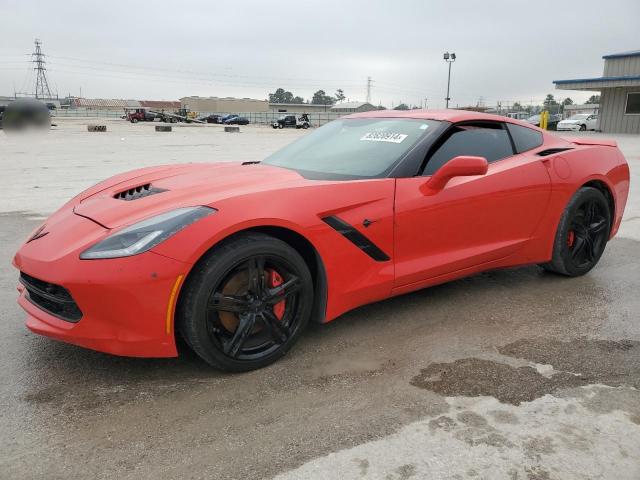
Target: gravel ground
513,374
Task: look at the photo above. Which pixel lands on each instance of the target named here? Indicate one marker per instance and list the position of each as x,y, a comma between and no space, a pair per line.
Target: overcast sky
508,50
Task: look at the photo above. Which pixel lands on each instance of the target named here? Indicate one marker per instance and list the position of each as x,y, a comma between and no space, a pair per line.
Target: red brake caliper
274,280
571,238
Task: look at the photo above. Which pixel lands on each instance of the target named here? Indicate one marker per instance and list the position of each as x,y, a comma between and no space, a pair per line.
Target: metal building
619,89
569,111
353,107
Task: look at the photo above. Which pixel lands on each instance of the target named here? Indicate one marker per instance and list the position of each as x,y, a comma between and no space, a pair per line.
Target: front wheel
582,234
280,125
583,128
246,303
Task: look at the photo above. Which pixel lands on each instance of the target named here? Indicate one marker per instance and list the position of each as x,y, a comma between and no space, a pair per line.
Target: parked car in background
551,124
292,121
224,118
580,122
237,121
213,118
518,115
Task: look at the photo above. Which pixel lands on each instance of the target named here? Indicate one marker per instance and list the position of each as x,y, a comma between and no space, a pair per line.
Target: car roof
450,115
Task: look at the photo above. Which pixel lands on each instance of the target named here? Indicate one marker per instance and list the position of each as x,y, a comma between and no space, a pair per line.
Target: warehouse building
576,109
353,107
226,104
114,104
619,89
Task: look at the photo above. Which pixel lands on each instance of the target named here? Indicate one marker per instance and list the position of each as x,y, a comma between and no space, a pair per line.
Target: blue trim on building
632,53
598,79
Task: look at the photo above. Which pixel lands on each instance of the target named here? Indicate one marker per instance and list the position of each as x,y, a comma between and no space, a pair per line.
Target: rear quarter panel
572,169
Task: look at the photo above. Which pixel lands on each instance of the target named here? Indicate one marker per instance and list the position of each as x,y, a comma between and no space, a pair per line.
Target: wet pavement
516,374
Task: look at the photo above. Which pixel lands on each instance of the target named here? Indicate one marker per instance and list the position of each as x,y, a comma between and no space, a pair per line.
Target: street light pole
449,58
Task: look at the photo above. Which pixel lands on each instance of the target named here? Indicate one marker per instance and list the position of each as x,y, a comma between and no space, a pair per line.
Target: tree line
319,98
551,104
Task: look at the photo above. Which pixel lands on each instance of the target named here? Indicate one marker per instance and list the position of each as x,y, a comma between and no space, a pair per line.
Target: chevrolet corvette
238,258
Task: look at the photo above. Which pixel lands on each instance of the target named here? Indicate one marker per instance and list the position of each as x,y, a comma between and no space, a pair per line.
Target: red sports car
238,258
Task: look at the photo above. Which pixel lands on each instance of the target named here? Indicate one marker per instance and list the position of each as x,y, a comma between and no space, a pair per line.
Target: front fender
353,277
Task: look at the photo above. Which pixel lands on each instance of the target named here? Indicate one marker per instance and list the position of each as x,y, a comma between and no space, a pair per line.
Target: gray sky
507,50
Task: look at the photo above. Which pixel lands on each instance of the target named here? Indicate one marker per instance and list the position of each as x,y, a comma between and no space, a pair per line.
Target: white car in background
580,122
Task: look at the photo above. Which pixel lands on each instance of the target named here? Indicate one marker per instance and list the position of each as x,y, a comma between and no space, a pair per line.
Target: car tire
305,125
280,125
583,128
231,321
582,234
134,120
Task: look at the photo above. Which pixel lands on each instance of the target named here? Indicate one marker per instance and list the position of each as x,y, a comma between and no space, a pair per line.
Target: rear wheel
582,234
246,303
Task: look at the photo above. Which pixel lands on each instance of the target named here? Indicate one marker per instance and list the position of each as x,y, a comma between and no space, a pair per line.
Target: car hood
128,198
570,122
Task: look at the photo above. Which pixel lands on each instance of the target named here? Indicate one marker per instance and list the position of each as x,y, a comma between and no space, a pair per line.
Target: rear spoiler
605,142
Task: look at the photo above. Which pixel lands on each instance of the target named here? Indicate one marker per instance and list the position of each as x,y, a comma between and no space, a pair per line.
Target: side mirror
462,166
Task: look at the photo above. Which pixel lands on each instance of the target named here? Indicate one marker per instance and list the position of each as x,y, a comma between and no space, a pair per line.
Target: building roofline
597,79
633,53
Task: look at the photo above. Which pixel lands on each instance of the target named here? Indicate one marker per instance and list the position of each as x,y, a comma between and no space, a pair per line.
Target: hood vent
140,191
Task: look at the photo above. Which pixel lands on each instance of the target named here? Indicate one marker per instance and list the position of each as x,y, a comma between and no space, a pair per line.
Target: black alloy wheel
582,234
246,303
252,311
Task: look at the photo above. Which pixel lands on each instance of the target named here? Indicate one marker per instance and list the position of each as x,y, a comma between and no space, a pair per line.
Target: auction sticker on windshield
384,137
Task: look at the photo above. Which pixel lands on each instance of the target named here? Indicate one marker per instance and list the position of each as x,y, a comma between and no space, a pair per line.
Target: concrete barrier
232,129
96,128
163,128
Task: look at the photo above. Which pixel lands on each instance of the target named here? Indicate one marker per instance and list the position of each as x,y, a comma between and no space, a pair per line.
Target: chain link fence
316,119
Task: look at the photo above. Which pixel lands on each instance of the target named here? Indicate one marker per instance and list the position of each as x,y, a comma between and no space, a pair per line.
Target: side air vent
551,151
140,191
357,238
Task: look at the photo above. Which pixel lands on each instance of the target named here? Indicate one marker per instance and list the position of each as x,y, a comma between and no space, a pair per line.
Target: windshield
352,148
581,116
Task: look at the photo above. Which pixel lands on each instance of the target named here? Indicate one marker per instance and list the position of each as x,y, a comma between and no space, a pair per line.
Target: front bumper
126,303
568,128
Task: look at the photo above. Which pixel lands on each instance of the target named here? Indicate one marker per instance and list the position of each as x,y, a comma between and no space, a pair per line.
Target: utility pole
449,58
369,89
42,85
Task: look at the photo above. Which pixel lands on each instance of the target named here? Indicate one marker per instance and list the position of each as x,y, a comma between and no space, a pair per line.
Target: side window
524,138
491,143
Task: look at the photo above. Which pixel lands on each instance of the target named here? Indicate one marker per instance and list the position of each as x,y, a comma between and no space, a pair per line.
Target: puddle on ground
577,363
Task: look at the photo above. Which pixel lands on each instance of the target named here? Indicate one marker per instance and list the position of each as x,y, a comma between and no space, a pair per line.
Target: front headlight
144,235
